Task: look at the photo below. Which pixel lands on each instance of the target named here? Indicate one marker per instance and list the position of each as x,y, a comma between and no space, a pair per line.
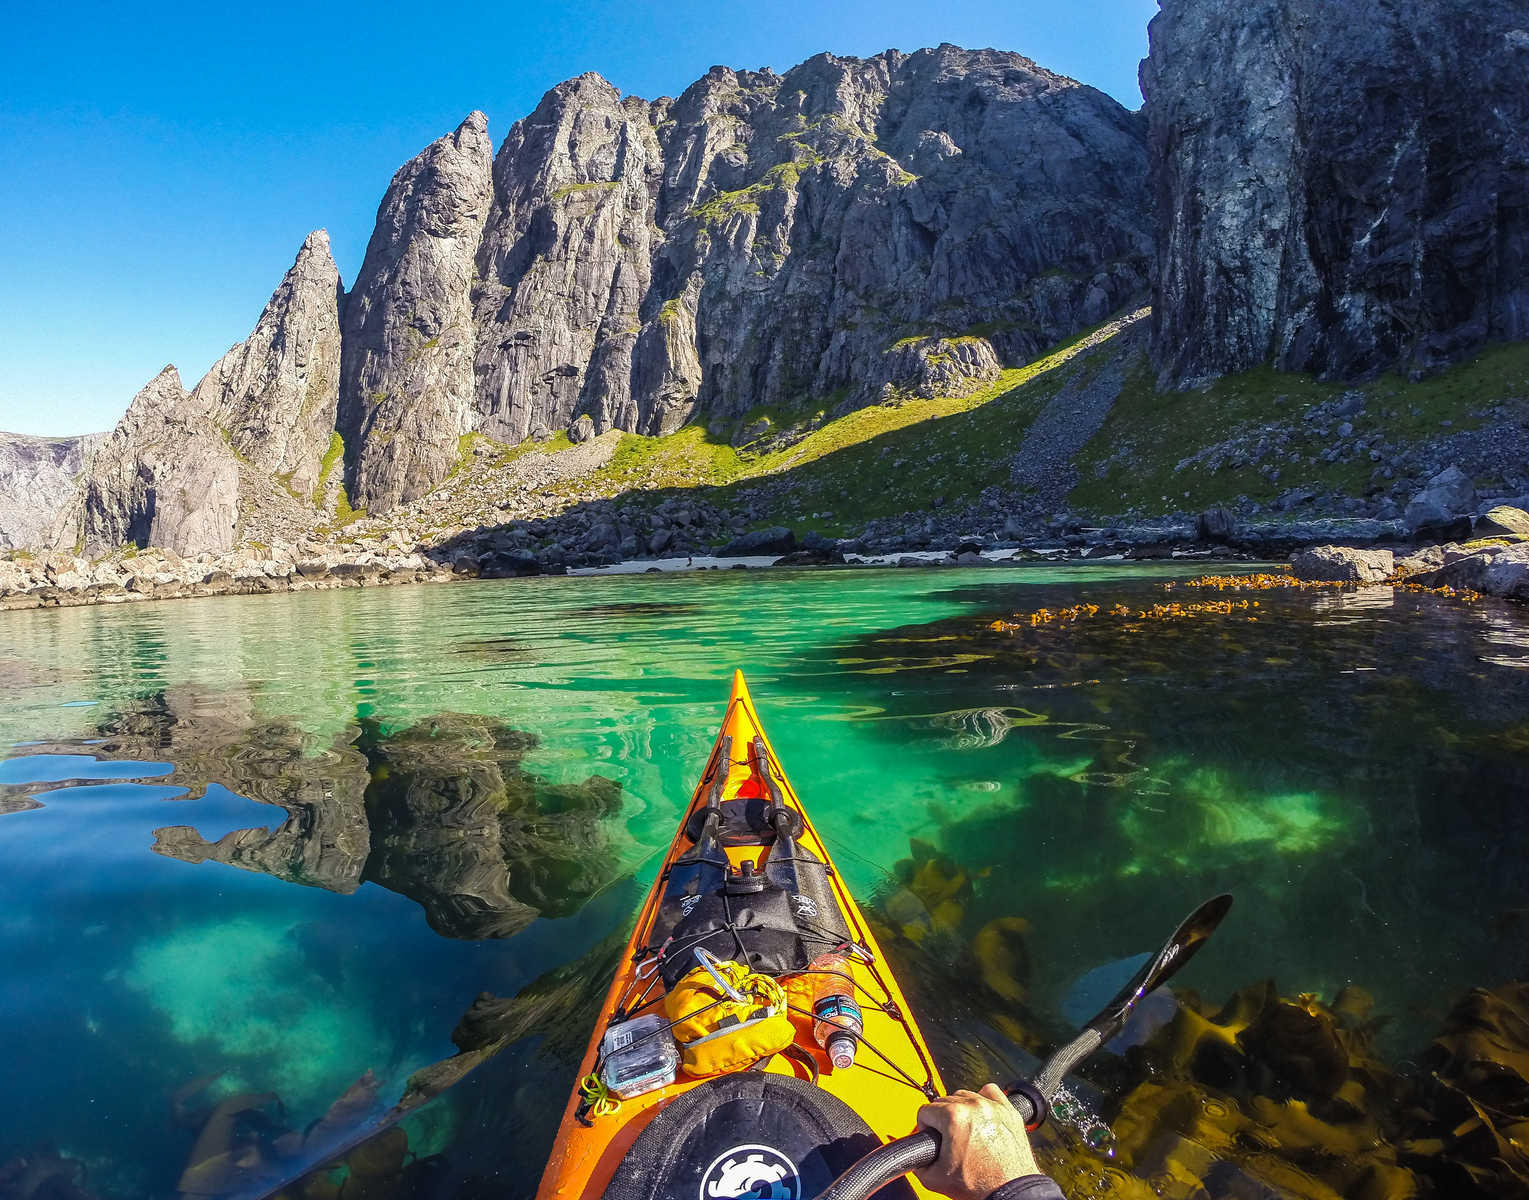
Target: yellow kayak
753,1041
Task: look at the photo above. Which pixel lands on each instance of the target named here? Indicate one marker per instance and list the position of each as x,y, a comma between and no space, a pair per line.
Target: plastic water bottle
837,1023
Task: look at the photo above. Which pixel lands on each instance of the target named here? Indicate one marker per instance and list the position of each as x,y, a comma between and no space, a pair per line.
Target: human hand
983,1144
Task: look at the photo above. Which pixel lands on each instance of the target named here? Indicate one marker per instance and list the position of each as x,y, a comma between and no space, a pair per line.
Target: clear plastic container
837,1021
639,1056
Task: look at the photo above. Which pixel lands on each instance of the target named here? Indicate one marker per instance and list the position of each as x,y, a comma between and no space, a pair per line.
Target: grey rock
1506,574
165,477
39,479
582,429
1342,564
1216,525
1448,495
1429,558
406,391
1502,519
776,540
1341,185
275,394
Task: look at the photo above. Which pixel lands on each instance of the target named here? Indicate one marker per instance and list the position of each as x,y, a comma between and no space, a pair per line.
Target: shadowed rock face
165,477
38,484
407,393
1342,186
765,239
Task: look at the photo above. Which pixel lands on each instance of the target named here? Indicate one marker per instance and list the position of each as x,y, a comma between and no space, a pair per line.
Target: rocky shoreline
1358,552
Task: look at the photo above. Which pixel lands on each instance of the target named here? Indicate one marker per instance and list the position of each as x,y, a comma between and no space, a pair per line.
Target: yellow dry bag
718,1033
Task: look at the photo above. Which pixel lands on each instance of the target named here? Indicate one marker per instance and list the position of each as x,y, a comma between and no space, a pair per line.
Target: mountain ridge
770,253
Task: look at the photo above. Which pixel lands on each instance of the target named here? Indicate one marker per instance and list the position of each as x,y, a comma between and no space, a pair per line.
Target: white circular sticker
758,1172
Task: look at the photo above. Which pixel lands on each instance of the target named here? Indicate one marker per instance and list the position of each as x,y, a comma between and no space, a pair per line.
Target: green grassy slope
815,471
1133,461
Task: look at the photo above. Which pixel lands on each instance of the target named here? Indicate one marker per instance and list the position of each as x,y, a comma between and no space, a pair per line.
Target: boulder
1429,558
1502,520
1215,525
659,542
581,430
1466,570
1342,564
806,557
1506,574
776,540
1447,495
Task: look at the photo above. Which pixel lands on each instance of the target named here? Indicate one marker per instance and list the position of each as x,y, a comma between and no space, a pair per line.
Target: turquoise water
428,793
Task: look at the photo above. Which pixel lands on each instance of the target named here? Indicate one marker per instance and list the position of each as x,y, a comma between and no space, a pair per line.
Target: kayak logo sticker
687,905
806,906
758,1172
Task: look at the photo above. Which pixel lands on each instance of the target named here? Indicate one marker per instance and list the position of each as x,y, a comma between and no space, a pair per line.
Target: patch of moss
579,189
228,437
332,454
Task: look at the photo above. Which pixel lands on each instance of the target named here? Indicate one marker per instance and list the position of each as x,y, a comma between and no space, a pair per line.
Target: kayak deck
894,1073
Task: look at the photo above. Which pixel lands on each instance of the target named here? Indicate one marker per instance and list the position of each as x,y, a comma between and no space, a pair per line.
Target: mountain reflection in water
423,827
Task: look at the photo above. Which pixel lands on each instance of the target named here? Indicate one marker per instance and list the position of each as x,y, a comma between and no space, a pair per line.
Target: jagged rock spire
407,376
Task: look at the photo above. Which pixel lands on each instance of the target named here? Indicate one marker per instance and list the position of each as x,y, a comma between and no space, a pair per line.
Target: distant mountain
39,481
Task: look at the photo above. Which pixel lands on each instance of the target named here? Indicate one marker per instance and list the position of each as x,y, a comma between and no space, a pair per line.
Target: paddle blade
1192,933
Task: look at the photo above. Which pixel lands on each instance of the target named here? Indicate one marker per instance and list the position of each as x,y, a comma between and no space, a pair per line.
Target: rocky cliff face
409,337
39,478
178,467
275,393
774,240
164,478
1342,186
850,231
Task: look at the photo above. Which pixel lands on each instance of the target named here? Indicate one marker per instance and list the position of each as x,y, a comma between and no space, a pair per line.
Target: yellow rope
598,1096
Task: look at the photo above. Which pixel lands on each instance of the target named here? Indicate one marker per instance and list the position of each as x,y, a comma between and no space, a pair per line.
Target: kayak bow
747,898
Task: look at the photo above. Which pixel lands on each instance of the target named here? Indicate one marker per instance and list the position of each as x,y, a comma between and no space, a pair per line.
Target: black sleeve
1028,1187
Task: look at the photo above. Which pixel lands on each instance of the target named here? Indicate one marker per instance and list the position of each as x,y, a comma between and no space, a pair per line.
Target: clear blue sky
162,163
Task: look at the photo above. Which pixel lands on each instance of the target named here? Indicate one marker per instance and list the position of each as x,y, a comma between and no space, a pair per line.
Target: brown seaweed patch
1121,612
1280,582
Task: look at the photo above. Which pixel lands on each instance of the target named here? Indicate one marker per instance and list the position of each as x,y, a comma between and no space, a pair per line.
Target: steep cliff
39,479
177,468
276,392
409,341
1342,186
765,240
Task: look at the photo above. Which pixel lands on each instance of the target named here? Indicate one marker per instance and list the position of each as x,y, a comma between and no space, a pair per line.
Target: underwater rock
43,1174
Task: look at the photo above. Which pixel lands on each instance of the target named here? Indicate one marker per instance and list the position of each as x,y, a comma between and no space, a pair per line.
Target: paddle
1031,1100
1192,933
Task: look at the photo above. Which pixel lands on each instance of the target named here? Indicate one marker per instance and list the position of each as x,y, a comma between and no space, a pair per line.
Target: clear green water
1018,812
